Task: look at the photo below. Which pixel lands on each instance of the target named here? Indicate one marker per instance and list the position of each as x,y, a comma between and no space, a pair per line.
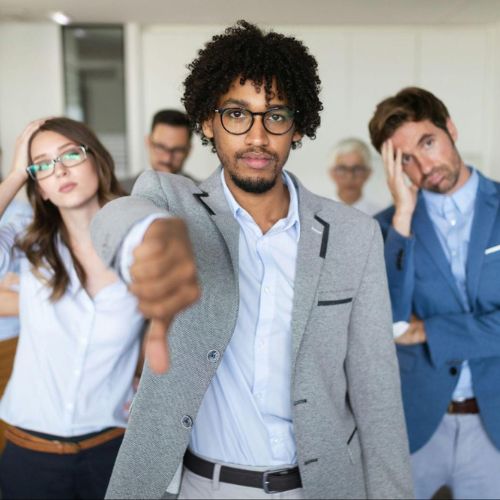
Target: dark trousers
32,474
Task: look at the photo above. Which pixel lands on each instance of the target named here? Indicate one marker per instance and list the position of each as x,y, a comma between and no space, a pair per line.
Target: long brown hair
39,243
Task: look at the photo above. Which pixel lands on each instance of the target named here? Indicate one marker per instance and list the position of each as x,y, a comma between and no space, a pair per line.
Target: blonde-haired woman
80,327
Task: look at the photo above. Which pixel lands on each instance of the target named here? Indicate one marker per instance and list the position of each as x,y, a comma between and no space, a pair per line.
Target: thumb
157,353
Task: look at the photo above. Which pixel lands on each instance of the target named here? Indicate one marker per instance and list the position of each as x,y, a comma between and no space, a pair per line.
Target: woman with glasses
80,327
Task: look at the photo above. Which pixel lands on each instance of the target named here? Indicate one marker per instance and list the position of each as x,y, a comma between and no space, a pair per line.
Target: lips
256,160
435,178
66,188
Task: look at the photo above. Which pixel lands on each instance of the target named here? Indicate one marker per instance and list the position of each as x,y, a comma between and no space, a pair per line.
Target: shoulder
346,223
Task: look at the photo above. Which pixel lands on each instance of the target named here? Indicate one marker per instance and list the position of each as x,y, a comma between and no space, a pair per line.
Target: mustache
259,151
435,170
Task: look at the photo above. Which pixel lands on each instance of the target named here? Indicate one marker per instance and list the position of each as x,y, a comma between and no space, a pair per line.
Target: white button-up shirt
75,358
246,415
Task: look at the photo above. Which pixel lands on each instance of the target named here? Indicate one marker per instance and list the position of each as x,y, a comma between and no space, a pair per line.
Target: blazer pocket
491,254
335,298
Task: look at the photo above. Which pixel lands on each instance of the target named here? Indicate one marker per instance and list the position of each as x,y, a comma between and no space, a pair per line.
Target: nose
426,164
257,135
60,169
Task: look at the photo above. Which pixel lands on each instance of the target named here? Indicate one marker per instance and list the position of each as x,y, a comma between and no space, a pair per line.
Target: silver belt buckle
265,479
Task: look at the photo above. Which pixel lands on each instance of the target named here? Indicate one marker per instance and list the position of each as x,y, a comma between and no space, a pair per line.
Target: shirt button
187,422
267,289
453,371
213,356
453,222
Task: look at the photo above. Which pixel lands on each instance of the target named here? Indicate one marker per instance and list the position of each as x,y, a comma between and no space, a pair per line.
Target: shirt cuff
132,240
399,328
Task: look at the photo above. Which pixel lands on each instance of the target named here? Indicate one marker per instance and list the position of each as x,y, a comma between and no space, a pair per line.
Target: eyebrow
424,138
245,104
43,155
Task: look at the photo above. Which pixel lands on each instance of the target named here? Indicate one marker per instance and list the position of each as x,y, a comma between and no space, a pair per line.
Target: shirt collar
463,199
292,219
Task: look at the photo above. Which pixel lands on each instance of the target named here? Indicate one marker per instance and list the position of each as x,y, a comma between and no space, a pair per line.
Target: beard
256,186
450,173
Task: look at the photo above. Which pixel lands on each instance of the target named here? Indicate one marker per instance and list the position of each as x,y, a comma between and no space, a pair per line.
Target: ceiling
268,12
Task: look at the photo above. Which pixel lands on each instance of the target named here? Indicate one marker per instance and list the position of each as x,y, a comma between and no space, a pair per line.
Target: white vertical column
134,98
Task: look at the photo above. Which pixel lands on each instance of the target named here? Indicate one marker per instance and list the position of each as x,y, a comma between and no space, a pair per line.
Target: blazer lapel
427,237
485,214
313,246
211,196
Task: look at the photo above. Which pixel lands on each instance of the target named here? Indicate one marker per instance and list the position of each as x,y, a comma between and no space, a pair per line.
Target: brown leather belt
30,442
272,481
467,406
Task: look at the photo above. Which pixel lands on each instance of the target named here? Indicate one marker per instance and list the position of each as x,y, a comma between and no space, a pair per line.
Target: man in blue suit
442,251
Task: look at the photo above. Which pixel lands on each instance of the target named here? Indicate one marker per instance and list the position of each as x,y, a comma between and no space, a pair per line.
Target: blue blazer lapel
485,214
426,236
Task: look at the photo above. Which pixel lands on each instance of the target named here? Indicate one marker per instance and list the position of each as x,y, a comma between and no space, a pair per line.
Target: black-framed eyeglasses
70,158
354,170
237,121
177,152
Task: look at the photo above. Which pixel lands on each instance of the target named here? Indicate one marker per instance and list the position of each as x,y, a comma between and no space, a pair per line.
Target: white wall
31,79
358,66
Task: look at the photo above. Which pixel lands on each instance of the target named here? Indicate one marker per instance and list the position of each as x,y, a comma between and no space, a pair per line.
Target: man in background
168,144
442,249
350,170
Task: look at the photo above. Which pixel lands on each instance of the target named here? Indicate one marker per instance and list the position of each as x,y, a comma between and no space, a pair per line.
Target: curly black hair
244,51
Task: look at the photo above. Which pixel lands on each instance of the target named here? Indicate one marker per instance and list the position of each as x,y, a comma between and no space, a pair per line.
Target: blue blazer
421,283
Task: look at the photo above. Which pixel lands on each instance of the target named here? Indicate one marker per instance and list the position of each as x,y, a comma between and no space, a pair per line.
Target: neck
349,197
265,208
77,222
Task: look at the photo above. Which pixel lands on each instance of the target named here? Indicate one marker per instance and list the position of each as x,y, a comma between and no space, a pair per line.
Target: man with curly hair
282,378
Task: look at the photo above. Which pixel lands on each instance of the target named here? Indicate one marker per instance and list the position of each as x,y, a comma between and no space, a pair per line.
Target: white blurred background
366,50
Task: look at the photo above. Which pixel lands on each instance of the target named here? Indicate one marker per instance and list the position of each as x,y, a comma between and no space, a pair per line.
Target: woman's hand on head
21,155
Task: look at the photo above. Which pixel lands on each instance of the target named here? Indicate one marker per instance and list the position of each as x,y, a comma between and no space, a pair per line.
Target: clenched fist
164,280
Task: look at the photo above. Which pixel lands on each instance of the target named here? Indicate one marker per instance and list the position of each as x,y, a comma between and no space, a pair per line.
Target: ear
452,129
208,129
297,136
147,140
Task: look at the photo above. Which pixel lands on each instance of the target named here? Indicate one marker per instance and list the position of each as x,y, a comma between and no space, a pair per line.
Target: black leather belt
272,481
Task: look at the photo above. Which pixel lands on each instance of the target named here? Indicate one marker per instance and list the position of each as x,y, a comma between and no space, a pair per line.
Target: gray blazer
347,411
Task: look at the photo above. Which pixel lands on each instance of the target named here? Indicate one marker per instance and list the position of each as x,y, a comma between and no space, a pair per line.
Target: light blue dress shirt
246,415
9,327
452,218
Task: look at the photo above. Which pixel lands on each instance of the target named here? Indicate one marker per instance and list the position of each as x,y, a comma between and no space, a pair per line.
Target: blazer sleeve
374,384
454,337
114,221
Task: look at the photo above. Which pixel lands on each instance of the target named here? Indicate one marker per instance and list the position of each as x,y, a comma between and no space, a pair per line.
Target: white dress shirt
75,358
246,415
17,210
